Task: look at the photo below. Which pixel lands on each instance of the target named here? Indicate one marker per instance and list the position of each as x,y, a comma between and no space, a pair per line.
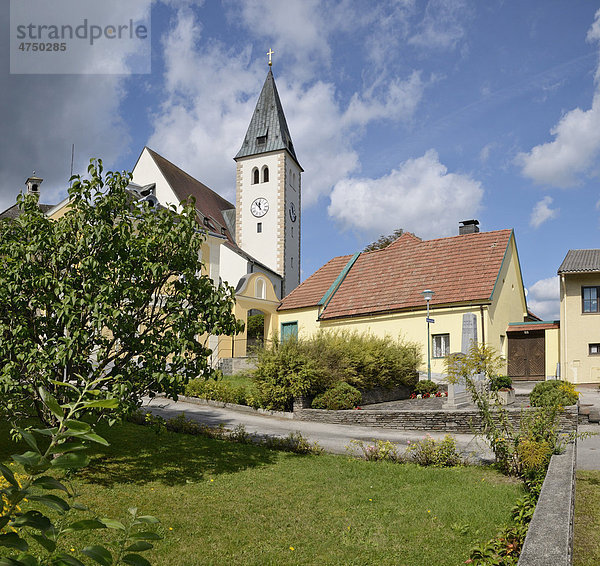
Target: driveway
332,438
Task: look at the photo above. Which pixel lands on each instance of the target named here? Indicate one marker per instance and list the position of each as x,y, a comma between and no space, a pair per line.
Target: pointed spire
268,130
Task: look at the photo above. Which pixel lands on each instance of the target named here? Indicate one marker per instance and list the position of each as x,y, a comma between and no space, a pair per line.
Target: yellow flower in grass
170,528
292,548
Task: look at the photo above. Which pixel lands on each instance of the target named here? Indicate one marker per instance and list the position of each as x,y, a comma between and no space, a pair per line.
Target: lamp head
428,294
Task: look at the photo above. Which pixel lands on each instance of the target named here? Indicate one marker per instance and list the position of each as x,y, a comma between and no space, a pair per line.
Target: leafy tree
384,241
113,291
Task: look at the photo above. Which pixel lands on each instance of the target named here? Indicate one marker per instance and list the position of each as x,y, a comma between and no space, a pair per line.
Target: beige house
580,316
380,292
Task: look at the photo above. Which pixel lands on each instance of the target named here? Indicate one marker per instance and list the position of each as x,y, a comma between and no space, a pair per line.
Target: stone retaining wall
550,535
456,421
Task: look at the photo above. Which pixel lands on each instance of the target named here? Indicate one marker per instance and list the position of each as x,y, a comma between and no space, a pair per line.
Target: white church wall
146,171
232,266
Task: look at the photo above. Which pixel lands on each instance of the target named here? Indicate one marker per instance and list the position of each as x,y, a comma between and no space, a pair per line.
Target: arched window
265,174
259,288
255,176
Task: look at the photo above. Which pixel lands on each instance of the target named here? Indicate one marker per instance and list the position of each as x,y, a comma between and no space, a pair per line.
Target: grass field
223,503
586,551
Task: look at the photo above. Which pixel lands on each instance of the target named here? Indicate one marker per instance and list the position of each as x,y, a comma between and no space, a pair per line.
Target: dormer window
265,174
261,140
255,176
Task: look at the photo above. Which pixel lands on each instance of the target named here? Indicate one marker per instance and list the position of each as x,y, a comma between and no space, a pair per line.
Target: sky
412,114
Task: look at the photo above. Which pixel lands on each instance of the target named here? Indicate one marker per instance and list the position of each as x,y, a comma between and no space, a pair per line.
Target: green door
289,330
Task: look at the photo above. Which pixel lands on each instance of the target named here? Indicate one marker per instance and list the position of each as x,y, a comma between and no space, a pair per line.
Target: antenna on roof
72,158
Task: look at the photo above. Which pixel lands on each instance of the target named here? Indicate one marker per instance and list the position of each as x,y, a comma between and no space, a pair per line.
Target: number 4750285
42,47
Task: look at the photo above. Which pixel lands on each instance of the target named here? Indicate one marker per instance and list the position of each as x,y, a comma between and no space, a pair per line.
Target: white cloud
420,196
442,26
575,149
543,298
210,96
485,152
542,212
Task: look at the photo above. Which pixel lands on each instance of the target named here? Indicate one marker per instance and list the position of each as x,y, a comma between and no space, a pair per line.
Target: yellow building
580,316
380,292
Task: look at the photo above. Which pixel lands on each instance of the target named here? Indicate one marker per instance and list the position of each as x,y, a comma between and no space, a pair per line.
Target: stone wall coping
235,407
550,535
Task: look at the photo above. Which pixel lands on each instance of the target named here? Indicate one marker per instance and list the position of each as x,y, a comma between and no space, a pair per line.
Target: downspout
563,331
482,325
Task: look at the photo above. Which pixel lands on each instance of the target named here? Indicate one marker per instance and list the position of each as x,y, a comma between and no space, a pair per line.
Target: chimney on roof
468,227
33,185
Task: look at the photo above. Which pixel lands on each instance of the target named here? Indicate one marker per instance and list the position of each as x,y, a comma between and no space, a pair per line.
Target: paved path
333,438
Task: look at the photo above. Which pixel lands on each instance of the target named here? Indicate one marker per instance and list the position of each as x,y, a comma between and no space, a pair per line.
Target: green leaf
28,560
9,476
92,436
80,506
70,461
48,482
78,426
11,562
28,458
32,519
44,541
145,535
51,501
113,524
51,403
135,560
66,560
149,519
102,404
13,540
139,546
98,553
85,525
29,438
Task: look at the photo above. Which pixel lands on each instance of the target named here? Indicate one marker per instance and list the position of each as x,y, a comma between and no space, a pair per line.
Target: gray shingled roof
14,211
268,130
580,260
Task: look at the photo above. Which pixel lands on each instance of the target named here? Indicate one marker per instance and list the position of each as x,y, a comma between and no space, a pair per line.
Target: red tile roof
543,325
459,269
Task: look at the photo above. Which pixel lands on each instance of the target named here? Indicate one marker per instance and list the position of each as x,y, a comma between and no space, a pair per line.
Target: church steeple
268,130
268,190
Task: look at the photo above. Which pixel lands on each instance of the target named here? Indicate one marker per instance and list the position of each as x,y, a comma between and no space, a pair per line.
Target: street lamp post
428,295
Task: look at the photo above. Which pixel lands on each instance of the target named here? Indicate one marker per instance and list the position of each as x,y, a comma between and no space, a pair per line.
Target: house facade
579,276
380,292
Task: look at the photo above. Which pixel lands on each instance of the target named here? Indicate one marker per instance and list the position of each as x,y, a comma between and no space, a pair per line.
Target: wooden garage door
527,355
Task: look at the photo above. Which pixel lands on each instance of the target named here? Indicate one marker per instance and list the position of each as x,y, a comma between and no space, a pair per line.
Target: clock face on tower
259,207
292,211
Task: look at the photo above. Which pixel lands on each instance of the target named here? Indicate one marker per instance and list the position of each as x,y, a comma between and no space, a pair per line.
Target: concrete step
594,415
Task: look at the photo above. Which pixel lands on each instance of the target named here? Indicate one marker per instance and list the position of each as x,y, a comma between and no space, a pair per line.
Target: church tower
268,190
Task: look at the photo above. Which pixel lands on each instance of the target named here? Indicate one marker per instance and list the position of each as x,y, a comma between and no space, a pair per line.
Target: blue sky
404,114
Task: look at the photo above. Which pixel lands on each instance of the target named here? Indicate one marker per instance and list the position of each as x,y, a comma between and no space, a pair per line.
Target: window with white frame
441,345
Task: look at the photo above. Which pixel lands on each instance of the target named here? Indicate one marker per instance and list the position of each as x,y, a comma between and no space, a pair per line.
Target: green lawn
586,551
239,380
224,503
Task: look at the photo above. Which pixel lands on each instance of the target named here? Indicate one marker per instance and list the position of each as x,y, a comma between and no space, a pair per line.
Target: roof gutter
326,298
406,310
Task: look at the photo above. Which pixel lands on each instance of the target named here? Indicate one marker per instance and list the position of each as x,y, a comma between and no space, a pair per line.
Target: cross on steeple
269,53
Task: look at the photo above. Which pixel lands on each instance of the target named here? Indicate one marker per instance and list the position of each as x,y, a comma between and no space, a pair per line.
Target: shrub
285,371
555,393
217,391
498,382
426,386
381,450
430,452
342,396
312,366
